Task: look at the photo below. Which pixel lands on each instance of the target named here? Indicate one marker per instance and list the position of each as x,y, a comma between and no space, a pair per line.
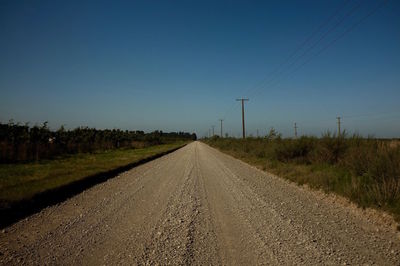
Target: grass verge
366,171
23,184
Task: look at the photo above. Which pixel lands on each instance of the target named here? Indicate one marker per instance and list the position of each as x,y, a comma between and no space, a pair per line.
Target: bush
330,149
365,170
296,150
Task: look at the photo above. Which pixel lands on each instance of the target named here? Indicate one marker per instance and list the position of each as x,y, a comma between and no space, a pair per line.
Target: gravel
199,206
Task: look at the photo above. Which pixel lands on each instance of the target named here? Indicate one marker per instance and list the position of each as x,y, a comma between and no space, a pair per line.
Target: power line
291,55
321,26
348,30
370,114
310,48
351,117
331,43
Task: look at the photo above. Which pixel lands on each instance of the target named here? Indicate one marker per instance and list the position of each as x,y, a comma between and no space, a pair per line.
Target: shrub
296,150
330,148
366,170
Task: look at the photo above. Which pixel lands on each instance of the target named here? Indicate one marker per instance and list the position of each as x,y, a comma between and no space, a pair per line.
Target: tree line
20,143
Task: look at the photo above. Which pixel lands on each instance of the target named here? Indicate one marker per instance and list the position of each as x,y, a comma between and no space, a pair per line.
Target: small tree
273,134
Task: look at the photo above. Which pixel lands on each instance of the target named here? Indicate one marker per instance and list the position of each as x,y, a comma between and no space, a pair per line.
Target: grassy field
22,181
367,171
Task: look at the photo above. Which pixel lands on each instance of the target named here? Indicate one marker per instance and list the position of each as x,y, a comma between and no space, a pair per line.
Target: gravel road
199,206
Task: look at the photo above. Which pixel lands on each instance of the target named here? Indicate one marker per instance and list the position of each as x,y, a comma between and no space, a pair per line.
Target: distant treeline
20,143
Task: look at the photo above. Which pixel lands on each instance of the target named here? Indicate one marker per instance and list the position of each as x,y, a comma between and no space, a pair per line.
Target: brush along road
199,206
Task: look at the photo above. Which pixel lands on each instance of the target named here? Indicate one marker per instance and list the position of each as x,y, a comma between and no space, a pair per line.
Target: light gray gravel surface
198,206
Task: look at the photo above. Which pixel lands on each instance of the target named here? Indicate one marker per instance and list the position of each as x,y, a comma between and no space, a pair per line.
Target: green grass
22,181
366,171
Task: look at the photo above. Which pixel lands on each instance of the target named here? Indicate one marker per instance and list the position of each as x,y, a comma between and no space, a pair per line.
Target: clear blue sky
180,65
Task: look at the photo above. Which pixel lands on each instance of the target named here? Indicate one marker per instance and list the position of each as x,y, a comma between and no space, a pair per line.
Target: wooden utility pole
338,124
295,130
244,130
220,120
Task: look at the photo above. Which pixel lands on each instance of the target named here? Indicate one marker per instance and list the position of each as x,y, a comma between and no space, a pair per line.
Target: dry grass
367,171
23,180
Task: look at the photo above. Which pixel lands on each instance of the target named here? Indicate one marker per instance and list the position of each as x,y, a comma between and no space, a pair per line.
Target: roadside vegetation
365,170
36,159
22,181
22,143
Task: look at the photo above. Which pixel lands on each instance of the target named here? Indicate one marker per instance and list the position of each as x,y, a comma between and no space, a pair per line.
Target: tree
273,134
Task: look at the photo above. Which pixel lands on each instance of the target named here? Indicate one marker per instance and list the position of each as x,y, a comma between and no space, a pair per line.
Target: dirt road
198,206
